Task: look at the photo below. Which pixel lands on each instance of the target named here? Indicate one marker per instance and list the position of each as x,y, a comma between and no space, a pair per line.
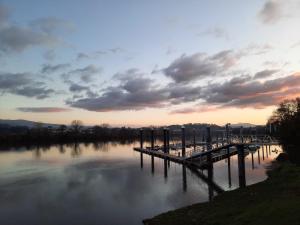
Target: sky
138,62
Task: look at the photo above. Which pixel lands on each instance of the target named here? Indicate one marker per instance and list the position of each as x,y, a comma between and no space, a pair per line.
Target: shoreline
275,201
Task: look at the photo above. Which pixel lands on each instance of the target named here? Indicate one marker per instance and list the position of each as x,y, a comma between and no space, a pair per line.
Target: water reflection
101,183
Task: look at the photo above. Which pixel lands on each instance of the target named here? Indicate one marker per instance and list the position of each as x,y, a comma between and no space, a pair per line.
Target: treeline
76,132
285,122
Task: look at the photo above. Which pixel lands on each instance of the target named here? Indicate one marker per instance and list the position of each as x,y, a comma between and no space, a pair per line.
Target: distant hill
24,123
246,125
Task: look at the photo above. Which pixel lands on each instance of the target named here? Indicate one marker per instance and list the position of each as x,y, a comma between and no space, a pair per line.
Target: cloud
216,32
199,66
17,39
22,84
97,54
244,92
43,109
4,14
136,91
86,74
271,12
50,25
78,88
264,74
41,32
47,68
49,55
133,93
37,92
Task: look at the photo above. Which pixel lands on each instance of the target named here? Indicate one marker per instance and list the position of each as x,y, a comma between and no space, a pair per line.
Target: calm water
104,184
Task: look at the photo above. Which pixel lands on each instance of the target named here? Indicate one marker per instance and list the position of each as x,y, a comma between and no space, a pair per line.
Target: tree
76,126
286,118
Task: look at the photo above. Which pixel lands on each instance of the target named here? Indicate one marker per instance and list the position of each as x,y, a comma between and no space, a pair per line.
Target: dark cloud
22,84
42,109
47,68
264,74
14,38
32,91
17,38
271,12
243,92
78,88
198,66
86,74
133,93
136,91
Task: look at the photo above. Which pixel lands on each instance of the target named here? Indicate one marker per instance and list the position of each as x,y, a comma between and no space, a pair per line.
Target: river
105,184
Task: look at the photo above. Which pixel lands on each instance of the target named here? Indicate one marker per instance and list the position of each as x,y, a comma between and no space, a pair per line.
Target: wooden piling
241,165
183,140
141,138
165,140
152,139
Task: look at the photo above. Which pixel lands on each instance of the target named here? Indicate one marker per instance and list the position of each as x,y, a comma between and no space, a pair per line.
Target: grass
275,201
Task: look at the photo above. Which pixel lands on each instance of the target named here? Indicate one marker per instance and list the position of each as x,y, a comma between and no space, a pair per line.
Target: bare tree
76,126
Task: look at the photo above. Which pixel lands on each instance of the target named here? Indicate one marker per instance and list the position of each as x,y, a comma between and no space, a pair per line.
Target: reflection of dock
199,156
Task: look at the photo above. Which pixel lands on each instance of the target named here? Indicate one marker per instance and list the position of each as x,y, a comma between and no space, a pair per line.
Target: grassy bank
275,201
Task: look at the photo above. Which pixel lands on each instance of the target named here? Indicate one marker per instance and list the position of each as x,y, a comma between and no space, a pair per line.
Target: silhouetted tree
285,121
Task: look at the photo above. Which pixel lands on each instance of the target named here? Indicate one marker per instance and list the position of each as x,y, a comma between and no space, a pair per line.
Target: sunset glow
133,63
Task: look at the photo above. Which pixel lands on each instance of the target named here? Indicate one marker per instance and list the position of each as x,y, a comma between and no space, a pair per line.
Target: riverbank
275,201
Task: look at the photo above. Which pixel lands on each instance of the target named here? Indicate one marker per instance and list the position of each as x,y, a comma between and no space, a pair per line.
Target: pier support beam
184,184
241,135
229,167
227,133
152,139
152,164
141,138
194,140
165,140
166,168
142,161
168,140
208,139
183,140
241,165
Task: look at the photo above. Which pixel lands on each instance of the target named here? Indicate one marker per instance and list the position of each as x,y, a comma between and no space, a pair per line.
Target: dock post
165,140
241,134
208,138
152,138
194,133
165,168
141,138
183,140
241,165
228,167
184,184
168,140
227,133
252,160
210,175
258,156
152,164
